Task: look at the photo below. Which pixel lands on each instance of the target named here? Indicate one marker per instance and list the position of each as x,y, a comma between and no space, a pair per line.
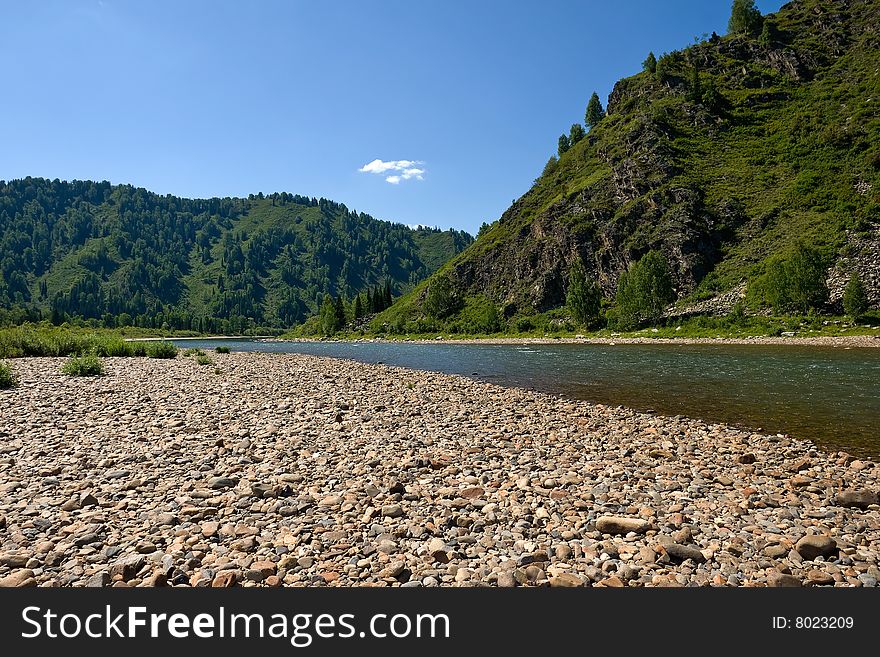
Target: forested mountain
731,158
127,256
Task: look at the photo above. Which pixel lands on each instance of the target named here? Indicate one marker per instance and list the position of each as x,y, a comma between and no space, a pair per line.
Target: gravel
293,470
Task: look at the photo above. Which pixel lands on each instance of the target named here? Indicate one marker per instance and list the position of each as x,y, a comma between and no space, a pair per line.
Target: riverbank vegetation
46,340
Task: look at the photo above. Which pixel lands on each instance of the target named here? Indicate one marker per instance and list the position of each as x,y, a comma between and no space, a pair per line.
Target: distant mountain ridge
123,254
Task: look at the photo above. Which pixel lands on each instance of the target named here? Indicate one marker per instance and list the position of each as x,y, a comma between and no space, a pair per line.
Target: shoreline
295,470
207,337
849,341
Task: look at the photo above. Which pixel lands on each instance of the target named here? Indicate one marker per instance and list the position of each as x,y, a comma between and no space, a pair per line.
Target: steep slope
730,152
121,253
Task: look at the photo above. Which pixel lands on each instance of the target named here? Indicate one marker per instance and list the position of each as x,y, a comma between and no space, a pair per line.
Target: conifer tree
564,145
595,113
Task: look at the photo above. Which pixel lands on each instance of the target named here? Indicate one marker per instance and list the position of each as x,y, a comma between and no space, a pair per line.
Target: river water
830,395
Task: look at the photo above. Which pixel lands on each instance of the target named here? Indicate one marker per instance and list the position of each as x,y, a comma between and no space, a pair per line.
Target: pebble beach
293,470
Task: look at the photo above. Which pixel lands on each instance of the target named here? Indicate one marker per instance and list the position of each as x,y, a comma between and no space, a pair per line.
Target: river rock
777,579
812,546
860,499
620,525
684,552
18,579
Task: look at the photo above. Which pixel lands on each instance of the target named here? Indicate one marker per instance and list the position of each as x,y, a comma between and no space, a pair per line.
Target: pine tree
358,308
339,311
576,133
389,299
650,63
595,113
564,145
745,18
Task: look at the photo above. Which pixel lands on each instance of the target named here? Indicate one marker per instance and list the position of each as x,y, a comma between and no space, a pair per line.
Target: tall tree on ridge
595,113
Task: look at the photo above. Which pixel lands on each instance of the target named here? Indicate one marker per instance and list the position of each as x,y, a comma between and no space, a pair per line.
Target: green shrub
222,350
161,349
203,359
441,300
87,365
7,377
795,284
113,347
643,292
855,301
584,299
193,351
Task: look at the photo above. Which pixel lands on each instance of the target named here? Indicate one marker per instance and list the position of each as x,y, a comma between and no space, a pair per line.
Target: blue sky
460,101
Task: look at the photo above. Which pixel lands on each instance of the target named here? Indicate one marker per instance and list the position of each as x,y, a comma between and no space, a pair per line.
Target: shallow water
829,395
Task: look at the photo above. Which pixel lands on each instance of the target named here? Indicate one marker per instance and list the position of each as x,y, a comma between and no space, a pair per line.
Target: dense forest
120,255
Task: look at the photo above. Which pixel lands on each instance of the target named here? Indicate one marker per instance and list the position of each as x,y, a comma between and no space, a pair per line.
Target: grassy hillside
126,256
722,158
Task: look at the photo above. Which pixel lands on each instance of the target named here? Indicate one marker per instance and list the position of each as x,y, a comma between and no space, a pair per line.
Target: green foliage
794,283
203,359
650,63
478,316
584,298
549,168
161,349
563,145
193,351
576,133
663,67
441,299
123,256
711,98
595,112
7,377
643,292
329,318
695,91
768,33
745,18
86,365
222,349
855,300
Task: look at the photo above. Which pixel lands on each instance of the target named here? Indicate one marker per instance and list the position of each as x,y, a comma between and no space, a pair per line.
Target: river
830,395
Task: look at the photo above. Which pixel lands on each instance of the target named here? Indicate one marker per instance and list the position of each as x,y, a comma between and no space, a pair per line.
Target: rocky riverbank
269,470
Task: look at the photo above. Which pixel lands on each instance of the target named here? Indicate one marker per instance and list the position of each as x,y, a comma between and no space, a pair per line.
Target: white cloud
402,170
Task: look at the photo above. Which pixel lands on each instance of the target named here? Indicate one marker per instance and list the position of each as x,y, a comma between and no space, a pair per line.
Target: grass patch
222,350
87,365
204,359
193,352
7,377
161,349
